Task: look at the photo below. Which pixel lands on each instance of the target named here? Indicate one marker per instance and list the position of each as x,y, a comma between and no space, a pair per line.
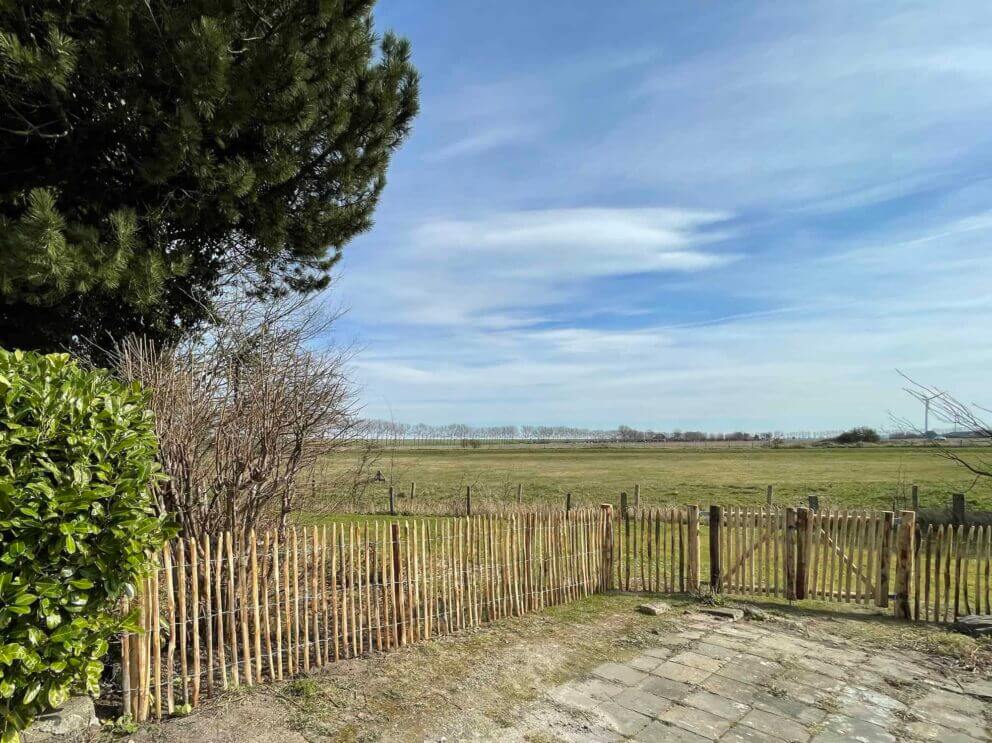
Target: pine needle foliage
151,150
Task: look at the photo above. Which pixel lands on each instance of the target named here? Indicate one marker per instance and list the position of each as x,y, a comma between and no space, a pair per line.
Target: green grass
870,477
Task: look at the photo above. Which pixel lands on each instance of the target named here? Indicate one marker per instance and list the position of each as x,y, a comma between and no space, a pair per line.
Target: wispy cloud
482,141
583,242
806,107
511,268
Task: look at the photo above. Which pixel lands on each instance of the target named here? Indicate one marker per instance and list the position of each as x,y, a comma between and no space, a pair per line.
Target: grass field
842,477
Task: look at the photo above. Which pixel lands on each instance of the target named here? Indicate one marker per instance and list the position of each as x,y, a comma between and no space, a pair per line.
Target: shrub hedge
77,461
860,435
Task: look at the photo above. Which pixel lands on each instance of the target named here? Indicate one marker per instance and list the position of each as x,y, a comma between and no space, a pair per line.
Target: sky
711,216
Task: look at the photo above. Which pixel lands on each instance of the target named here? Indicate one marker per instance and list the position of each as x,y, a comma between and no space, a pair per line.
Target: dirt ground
598,670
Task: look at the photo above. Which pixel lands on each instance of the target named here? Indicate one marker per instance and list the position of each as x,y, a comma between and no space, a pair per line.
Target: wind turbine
926,400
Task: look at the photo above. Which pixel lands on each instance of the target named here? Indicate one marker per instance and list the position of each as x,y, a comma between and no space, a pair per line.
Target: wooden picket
845,559
246,609
753,546
236,610
954,572
657,550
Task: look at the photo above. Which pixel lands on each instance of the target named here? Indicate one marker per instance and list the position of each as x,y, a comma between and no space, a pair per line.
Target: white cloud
500,270
482,141
581,242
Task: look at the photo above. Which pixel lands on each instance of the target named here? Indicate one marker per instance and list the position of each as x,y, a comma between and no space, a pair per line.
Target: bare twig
966,418
244,411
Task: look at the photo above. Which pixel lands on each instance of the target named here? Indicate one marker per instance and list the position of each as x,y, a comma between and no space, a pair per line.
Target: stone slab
655,609
620,673
70,723
643,702
625,721
776,725
678,672
700,722
838,728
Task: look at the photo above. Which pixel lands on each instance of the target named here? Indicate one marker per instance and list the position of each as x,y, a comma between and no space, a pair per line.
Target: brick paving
748,681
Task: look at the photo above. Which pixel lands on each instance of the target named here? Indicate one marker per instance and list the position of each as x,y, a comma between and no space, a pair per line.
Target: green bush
859,435
77,460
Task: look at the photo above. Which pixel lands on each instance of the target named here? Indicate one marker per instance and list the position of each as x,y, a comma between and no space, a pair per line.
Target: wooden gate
756,551
833,555
849,554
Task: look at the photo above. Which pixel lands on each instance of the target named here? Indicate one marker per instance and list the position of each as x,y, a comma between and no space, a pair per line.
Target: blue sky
681,215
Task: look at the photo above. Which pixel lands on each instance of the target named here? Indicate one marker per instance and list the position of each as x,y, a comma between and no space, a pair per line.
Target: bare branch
244,411
965,418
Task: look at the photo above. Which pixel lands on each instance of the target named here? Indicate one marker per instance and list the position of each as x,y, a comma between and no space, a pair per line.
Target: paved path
758,681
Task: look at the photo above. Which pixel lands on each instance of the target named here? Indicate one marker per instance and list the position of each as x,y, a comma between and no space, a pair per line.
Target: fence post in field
692,531
568,502
957,508
884,556
413,491
637,497
916,497
790,553
769,494
904,563
623,504
520,492
802,551
716,574
392,501
606,569
814,503
468,500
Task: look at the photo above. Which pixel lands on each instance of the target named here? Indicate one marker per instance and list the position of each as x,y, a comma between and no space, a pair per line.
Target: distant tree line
471,436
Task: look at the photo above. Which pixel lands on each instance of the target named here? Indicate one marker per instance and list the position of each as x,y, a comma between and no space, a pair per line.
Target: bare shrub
243,411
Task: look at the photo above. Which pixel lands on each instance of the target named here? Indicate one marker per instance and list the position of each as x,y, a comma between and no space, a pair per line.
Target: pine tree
150,150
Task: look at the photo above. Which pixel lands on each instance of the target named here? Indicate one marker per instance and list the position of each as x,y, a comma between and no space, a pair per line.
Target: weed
123,725
305,688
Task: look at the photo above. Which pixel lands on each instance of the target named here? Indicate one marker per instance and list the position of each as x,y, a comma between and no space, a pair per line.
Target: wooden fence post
957,508
637,497
692,532
392,501
625,547
769,494
814,503
802,550
520,492
904,563
398,577
413,491
568,502
790,553
468,500
606,568
916,497
884,556
716,574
